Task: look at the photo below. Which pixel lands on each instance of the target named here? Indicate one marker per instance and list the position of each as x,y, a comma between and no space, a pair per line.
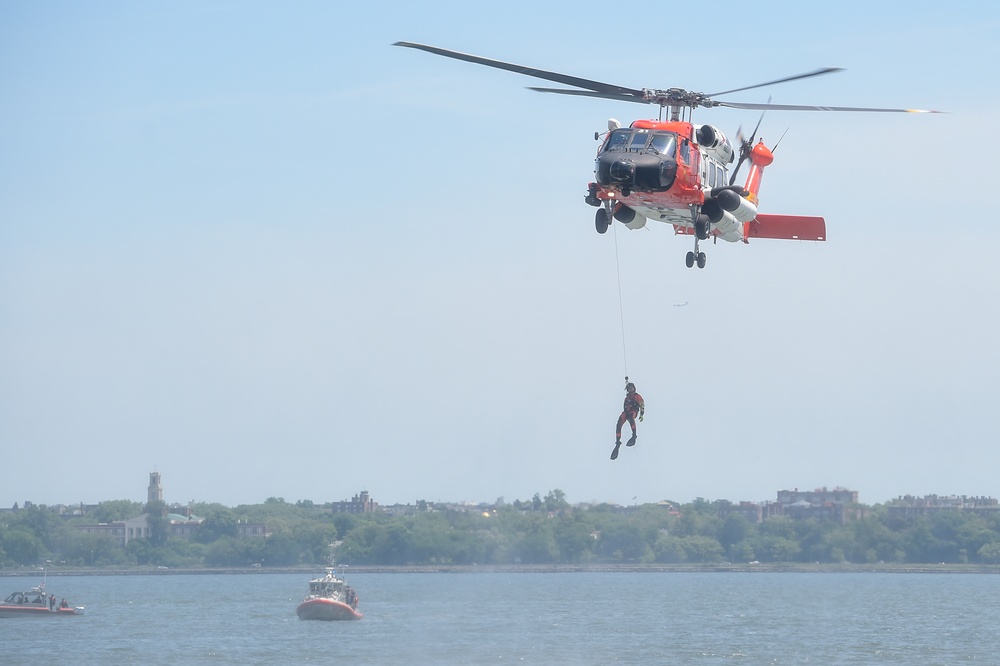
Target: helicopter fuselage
659,170
676,172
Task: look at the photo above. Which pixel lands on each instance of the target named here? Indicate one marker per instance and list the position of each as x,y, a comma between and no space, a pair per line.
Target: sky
256,248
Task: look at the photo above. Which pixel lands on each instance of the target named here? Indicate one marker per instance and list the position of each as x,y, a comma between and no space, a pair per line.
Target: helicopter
675,171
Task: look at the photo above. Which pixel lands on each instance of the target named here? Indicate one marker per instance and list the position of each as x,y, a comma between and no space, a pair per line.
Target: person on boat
634,406
52,602
63,604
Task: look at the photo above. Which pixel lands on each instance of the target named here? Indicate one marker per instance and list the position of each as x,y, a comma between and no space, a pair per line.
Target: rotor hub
677,97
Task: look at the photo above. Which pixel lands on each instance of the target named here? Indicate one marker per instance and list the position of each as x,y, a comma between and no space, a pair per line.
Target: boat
35,602
329,598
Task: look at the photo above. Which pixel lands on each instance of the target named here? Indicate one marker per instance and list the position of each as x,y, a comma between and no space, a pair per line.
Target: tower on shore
155,489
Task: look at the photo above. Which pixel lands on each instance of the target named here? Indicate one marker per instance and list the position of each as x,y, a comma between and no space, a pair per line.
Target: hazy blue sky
256,248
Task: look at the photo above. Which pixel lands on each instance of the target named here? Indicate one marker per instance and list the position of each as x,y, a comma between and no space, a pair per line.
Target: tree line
543,530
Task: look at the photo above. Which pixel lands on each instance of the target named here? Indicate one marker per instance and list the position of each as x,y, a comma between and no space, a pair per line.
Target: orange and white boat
36,603
329,598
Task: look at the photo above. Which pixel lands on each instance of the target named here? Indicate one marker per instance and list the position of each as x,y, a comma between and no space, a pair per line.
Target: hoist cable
621,307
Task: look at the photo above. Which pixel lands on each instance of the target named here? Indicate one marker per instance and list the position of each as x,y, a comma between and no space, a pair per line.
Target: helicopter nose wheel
697,257
602,219
691,259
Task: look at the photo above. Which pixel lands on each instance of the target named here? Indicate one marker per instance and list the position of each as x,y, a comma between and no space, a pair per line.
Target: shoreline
522,568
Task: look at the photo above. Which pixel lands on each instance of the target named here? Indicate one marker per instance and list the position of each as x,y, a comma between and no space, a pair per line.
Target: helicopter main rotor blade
801,107
586,84
818,72
590,93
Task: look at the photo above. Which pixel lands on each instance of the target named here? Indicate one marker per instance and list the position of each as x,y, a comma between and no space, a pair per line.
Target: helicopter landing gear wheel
689,259
602,219
701,230
701,260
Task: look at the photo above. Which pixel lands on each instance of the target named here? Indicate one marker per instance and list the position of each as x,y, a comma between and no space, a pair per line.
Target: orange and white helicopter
674,171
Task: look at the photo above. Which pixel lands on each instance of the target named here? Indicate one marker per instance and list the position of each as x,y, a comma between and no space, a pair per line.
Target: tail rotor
746,145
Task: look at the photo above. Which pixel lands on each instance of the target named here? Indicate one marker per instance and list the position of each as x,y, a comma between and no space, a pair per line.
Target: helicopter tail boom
787,227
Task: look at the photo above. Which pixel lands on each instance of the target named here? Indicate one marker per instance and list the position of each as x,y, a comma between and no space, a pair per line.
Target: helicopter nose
638,172
622,171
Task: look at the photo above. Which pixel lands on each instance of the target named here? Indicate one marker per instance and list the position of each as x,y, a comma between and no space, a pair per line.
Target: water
524,618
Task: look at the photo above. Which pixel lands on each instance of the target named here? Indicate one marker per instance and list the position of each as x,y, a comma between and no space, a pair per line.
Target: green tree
158,521
700,518
555,500
701,549
280,550
216,524
314,539
668,549
735,528
430,538
778,526
922,545
83,549
624,542
989,552
393,544
22,546
39,521
775,549
574,538
140,551
537,544
114,510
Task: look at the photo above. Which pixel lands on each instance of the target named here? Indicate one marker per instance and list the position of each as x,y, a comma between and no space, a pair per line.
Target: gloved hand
640,417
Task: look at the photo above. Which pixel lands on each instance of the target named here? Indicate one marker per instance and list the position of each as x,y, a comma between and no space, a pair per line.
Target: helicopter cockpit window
641,140
617,140
638,141
664,144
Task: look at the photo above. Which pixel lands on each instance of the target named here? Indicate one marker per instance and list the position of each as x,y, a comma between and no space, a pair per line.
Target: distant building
754,512
407,509
115,530
804,510
155,491
909,507
251,530
361,503
839,505
818,496
182,523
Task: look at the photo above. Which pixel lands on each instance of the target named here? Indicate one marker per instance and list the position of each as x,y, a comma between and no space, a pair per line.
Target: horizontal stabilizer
789,227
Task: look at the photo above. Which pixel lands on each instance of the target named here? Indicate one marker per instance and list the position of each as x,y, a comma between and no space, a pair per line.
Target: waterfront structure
908,507
839,505
155,490
361,503
181,521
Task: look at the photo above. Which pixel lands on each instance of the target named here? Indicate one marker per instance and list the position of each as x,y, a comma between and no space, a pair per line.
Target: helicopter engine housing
714,142
730,201
729,228
629,217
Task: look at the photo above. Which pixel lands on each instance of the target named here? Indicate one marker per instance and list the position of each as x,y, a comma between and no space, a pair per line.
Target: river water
523,618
